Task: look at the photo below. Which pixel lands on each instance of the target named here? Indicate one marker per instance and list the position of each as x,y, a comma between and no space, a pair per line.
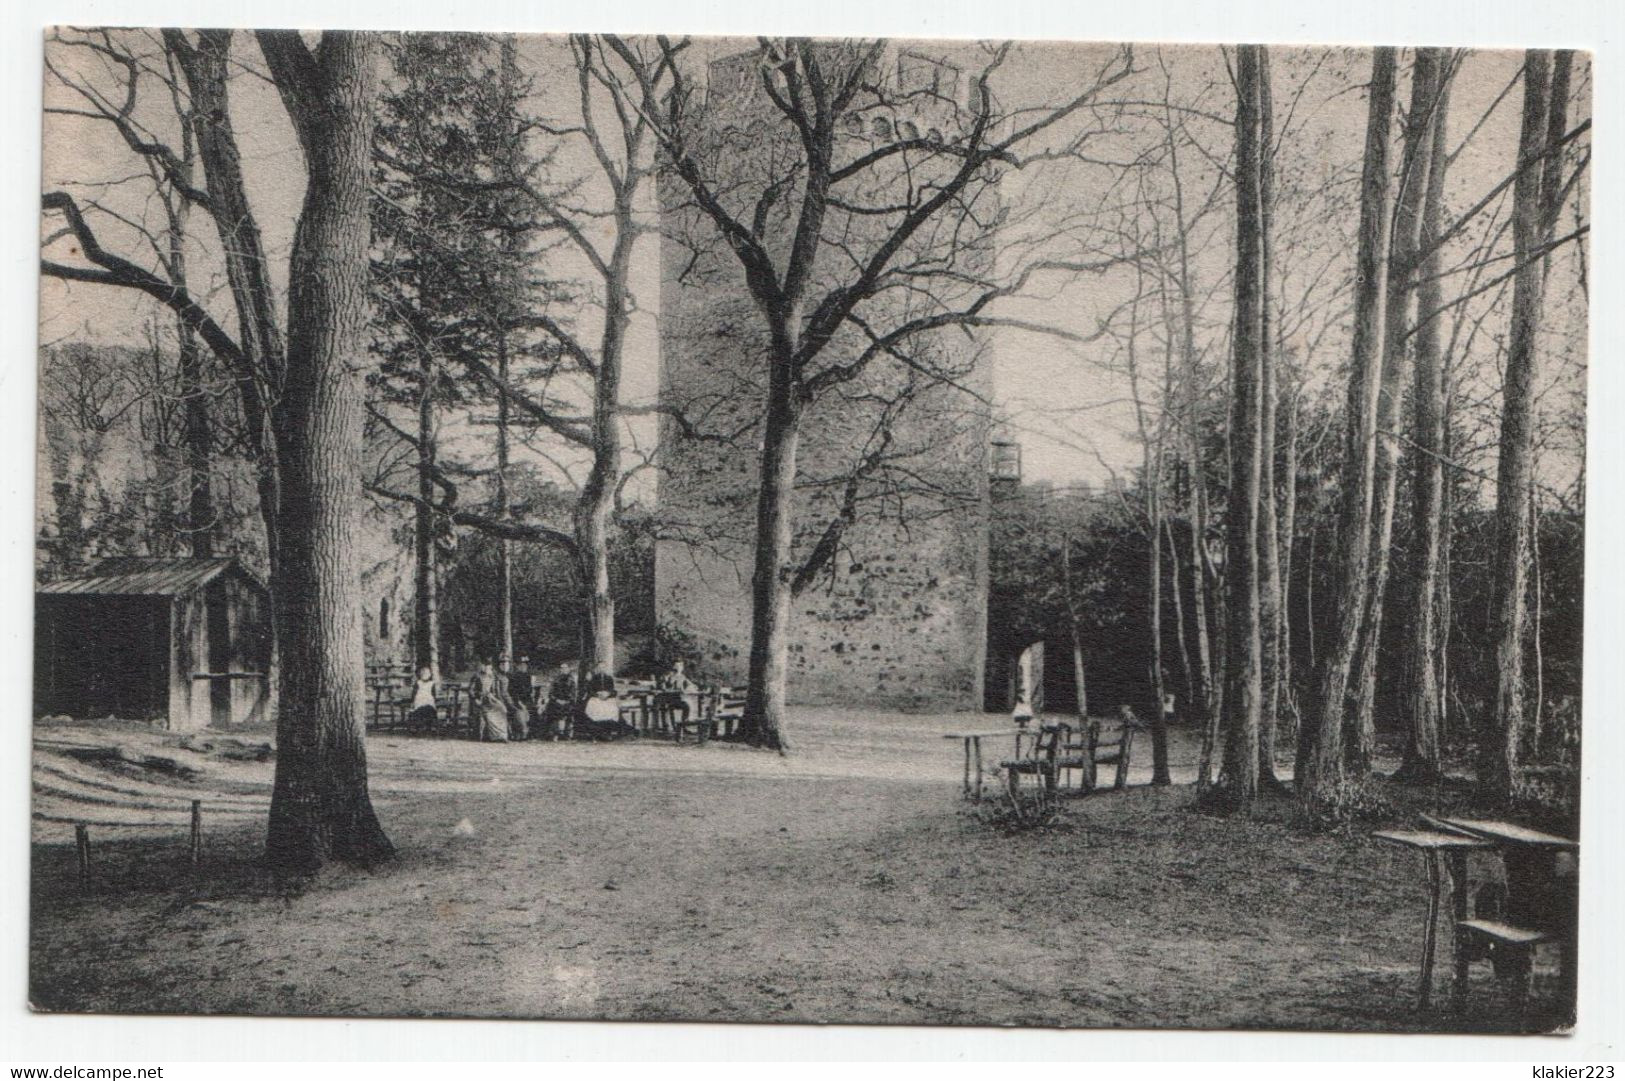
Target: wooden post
81,840
197,830
978,747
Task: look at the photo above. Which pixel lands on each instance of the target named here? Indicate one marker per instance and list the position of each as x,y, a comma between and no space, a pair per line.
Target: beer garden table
1541,881
1434,844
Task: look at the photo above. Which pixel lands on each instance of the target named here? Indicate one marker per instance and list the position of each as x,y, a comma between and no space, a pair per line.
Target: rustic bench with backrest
727,709
1083,752
386,686
1046,759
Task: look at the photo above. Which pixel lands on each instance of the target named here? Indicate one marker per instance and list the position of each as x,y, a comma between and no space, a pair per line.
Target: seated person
599,716
420,707
675,688
675,679
517,706
559,712
487,713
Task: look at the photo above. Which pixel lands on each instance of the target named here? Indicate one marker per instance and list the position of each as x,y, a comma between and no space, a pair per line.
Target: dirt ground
848,882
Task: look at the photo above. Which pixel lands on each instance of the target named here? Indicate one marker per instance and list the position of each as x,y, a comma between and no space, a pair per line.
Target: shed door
219,617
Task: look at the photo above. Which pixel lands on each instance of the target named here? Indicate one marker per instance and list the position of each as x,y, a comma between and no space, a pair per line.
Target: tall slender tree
1535,194
1321,754
1415,171
1423,695
1238,781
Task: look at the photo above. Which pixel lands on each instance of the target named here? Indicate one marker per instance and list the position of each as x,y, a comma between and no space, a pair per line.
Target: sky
1067,402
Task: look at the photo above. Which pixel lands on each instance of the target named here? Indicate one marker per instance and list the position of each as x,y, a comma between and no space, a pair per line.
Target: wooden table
1434,844
1541,873
973,754
1503,834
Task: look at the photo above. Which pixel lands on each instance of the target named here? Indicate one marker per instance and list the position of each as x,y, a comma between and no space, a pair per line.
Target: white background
48,1040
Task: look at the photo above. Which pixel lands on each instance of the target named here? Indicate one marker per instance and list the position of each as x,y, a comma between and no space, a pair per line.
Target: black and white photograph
810,530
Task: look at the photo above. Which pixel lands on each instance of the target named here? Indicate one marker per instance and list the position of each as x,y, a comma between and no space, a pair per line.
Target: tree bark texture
320,806
1238,779
771,595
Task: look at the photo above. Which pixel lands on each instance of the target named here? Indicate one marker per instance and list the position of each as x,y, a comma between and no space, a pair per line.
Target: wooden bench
1091,749
1045,760
727,709
1510,949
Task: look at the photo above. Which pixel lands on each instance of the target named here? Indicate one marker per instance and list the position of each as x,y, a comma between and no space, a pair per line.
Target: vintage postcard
1082,535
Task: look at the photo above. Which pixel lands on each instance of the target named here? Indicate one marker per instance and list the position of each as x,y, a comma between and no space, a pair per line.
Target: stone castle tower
899,619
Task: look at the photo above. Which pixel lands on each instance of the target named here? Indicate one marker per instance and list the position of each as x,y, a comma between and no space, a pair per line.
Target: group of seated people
504,706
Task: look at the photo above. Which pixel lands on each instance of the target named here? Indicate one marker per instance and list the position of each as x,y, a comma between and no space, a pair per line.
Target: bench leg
978,755
1458,906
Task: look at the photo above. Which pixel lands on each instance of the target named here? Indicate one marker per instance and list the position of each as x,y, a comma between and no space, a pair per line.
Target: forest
1310,326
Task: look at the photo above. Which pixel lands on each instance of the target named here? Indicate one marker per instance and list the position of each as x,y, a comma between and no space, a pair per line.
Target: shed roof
144,576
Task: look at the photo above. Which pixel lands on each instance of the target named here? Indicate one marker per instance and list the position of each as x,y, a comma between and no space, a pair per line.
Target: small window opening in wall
881,127
854,124
383,619
907,130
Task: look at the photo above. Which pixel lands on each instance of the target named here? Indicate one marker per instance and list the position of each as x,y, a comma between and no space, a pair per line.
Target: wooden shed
186,641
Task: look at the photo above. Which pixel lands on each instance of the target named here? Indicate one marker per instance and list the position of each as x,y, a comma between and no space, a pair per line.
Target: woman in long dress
600,714
422,705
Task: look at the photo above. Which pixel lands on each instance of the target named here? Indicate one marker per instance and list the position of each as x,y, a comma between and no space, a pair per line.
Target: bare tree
1423,754
1321,759
598,220
1537,194
1414,176
826,326
1238,781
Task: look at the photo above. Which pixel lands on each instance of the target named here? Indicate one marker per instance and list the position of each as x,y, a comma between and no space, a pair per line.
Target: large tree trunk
1323,761
1423,759
1499,742
320,807
771,595
1238,781
1415,171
